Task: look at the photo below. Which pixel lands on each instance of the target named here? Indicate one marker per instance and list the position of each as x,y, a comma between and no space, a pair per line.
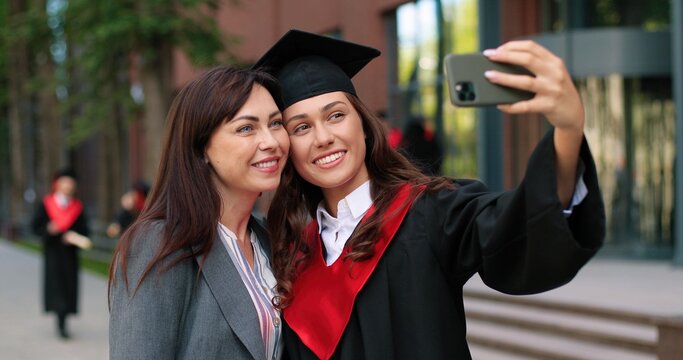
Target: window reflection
427,30
630,126
560,15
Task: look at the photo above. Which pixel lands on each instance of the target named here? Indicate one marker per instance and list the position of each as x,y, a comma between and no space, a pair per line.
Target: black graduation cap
308,64
64,172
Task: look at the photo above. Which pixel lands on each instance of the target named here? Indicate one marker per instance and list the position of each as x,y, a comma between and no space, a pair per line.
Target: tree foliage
4,84
106,36
3,57
101,38
77,60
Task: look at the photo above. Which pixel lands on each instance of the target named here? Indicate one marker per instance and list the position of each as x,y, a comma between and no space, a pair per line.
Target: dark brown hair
183,194
296,201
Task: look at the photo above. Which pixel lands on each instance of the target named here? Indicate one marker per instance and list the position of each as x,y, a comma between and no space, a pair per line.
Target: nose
323,136
268,140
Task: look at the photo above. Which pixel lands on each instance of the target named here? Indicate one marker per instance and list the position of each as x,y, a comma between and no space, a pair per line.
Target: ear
206,157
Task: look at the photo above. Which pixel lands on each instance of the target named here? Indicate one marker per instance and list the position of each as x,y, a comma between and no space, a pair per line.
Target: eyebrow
322,109
246,117
330,105
255,118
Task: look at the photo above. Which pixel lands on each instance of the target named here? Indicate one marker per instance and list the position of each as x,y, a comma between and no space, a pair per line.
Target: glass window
427,31
560,15
630,126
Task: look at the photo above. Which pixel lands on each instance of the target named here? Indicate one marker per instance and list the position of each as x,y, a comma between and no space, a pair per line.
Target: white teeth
330,158
266,164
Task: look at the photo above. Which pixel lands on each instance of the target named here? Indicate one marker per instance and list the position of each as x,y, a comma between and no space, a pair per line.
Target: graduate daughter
378,273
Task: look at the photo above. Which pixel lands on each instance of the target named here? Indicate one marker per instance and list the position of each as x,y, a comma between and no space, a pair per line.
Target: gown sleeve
39,221
519,241
81,224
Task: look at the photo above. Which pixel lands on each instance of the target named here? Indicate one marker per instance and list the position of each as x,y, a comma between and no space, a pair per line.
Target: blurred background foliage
78,71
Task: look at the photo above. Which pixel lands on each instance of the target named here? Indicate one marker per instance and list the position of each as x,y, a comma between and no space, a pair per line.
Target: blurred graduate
63,226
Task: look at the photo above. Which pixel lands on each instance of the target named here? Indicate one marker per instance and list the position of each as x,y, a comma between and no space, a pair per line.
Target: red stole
63,218
324,296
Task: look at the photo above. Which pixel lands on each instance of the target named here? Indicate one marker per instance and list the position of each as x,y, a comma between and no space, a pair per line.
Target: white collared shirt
61,200
260,284
335,232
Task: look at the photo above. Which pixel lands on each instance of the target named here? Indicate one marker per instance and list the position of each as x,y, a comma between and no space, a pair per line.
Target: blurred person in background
132,203
394,134
420,146
61,222
378,272
191,278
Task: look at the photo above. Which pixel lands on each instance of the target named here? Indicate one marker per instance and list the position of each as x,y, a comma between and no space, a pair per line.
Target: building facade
625,57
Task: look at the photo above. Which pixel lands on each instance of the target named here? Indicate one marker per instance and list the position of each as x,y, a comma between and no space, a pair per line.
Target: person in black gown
378,273
59,216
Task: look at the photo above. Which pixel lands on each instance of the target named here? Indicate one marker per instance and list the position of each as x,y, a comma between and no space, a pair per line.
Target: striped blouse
260,283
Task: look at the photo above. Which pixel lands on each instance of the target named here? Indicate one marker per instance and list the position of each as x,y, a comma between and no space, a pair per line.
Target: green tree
20,36
4,121
69,67
116,46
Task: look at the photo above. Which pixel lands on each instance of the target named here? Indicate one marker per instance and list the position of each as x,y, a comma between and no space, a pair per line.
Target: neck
236,211
332,200
332,197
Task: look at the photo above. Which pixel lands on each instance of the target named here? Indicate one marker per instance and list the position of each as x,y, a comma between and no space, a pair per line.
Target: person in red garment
378,273
63,225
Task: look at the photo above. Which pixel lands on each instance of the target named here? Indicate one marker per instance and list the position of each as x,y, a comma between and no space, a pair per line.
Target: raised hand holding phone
556,98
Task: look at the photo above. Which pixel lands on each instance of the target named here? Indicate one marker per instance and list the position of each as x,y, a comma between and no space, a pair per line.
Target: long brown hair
296,201
183,194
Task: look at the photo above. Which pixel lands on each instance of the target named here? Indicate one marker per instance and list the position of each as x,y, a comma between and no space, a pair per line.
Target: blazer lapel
232,297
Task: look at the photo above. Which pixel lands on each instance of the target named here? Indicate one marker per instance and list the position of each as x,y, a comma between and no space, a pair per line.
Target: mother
192,277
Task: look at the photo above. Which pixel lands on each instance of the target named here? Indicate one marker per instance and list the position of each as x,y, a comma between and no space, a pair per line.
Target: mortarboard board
308,64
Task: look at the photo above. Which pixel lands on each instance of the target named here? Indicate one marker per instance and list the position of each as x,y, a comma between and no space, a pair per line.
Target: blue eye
245,129
277,123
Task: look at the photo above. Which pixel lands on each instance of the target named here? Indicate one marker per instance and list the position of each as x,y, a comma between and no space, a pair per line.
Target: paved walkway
26,332
649,287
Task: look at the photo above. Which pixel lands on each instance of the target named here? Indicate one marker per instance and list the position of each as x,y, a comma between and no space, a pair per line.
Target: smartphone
468,86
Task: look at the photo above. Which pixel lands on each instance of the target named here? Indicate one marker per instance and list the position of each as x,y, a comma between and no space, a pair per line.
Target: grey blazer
177,314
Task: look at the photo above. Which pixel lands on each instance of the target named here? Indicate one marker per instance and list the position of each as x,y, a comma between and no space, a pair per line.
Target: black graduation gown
61,265
411,306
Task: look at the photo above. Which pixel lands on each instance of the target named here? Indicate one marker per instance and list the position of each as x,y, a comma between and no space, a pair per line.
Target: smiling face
65,185
327,143
248,152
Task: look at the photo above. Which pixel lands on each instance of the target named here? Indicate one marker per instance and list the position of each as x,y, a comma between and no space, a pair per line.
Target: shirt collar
61,199
358,202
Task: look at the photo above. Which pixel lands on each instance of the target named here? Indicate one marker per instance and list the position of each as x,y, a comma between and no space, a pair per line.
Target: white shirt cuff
580,193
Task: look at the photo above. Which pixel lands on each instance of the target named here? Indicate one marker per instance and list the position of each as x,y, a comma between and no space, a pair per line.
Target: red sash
324,296
63,218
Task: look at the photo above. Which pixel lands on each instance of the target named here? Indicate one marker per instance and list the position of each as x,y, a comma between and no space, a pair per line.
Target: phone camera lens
465,91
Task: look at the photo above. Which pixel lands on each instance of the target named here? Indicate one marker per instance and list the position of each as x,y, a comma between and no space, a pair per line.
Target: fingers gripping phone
468,86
